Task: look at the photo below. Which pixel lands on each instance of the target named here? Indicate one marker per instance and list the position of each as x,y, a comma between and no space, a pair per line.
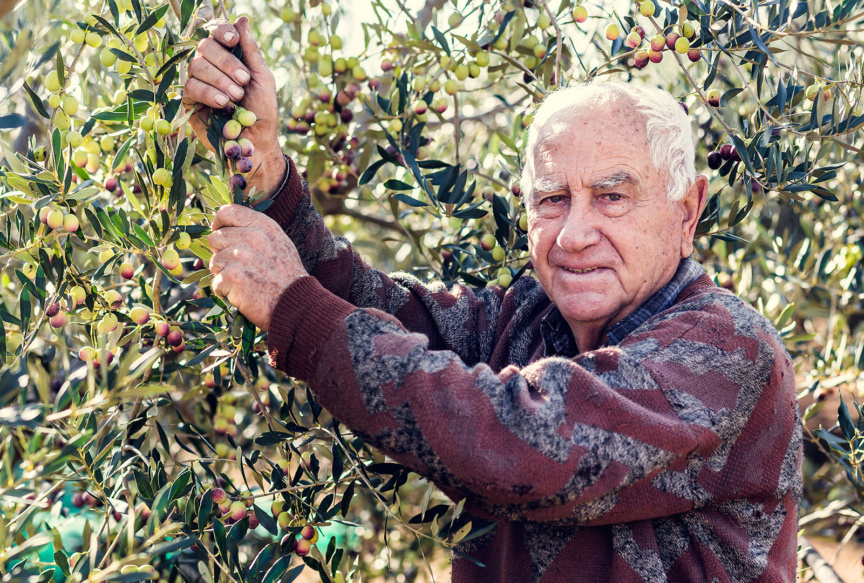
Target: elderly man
620,418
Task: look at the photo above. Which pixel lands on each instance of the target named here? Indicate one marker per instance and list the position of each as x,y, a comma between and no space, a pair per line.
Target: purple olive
715,160
244,165
232,150
175,338
247,148
238,180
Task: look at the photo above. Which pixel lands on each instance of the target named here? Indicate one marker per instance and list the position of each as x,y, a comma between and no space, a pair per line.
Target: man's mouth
580,270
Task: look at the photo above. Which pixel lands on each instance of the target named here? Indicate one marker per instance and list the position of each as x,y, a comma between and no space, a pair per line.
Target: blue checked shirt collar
558,338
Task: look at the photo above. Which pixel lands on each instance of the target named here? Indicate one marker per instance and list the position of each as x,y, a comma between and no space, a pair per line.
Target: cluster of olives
235,511
238,151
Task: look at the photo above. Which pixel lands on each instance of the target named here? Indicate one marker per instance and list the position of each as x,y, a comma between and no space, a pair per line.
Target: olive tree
145,436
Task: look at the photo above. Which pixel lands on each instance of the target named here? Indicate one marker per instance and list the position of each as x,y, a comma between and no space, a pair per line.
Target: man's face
602,234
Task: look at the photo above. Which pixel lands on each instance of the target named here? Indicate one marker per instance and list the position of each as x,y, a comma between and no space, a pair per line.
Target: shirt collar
558,337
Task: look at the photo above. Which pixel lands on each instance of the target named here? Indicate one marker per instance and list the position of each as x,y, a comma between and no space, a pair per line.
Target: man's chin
594,288
587,308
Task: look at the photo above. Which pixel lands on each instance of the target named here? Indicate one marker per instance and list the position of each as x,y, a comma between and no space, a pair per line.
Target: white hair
670,138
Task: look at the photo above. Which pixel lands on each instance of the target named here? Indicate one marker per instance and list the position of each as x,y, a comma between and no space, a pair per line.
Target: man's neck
589,336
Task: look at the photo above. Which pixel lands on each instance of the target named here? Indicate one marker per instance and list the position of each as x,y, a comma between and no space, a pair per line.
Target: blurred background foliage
408,119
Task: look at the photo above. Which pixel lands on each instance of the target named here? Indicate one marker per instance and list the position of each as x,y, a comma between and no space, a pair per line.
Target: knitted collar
558,338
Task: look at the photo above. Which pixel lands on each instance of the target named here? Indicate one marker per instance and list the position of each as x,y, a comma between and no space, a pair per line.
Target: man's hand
217,77
253,262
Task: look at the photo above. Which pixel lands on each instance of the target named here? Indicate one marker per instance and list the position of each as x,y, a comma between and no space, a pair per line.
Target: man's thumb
251,53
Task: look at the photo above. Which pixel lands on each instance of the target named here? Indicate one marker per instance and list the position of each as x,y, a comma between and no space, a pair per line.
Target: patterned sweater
673,455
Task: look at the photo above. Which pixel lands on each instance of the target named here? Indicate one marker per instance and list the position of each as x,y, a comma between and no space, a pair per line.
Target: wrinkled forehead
616,118
600,144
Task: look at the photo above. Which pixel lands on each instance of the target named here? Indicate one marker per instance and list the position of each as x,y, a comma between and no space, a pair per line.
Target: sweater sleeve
427,309
698,408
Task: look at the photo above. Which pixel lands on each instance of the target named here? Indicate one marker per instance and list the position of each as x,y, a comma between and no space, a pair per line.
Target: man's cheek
536,233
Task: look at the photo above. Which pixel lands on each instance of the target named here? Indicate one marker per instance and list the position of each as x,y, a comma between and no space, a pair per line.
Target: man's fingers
223,258
226,237
224,32
220,286
223,285
222,239
224,60
214,266
235,215
196,91
251,53
203,70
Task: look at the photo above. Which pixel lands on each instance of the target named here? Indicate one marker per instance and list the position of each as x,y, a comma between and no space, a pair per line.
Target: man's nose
581,230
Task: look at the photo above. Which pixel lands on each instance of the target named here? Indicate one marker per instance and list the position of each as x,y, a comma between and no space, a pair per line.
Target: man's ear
692,206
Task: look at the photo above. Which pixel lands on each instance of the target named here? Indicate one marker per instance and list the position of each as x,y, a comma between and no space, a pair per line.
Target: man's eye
614,197
555,198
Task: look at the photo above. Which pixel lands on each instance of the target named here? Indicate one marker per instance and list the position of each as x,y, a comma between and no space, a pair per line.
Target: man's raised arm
253,259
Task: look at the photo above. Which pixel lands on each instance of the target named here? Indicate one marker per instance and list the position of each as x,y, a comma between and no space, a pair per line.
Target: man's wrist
300,323
274,172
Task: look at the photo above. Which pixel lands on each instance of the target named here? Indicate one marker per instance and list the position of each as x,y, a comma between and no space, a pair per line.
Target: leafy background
158,428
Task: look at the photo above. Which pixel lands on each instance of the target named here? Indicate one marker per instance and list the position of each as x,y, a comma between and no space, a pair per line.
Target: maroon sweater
675,455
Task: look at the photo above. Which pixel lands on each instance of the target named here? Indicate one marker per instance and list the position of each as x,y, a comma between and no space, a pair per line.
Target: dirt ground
848,565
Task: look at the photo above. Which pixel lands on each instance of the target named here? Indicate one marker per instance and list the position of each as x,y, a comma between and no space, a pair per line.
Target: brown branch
405,10
6,7
369,219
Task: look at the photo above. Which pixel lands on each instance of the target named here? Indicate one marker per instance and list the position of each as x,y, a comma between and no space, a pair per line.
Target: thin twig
500,108
490,179
456,125
558,42
370,219
405,10
250,387
25,345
